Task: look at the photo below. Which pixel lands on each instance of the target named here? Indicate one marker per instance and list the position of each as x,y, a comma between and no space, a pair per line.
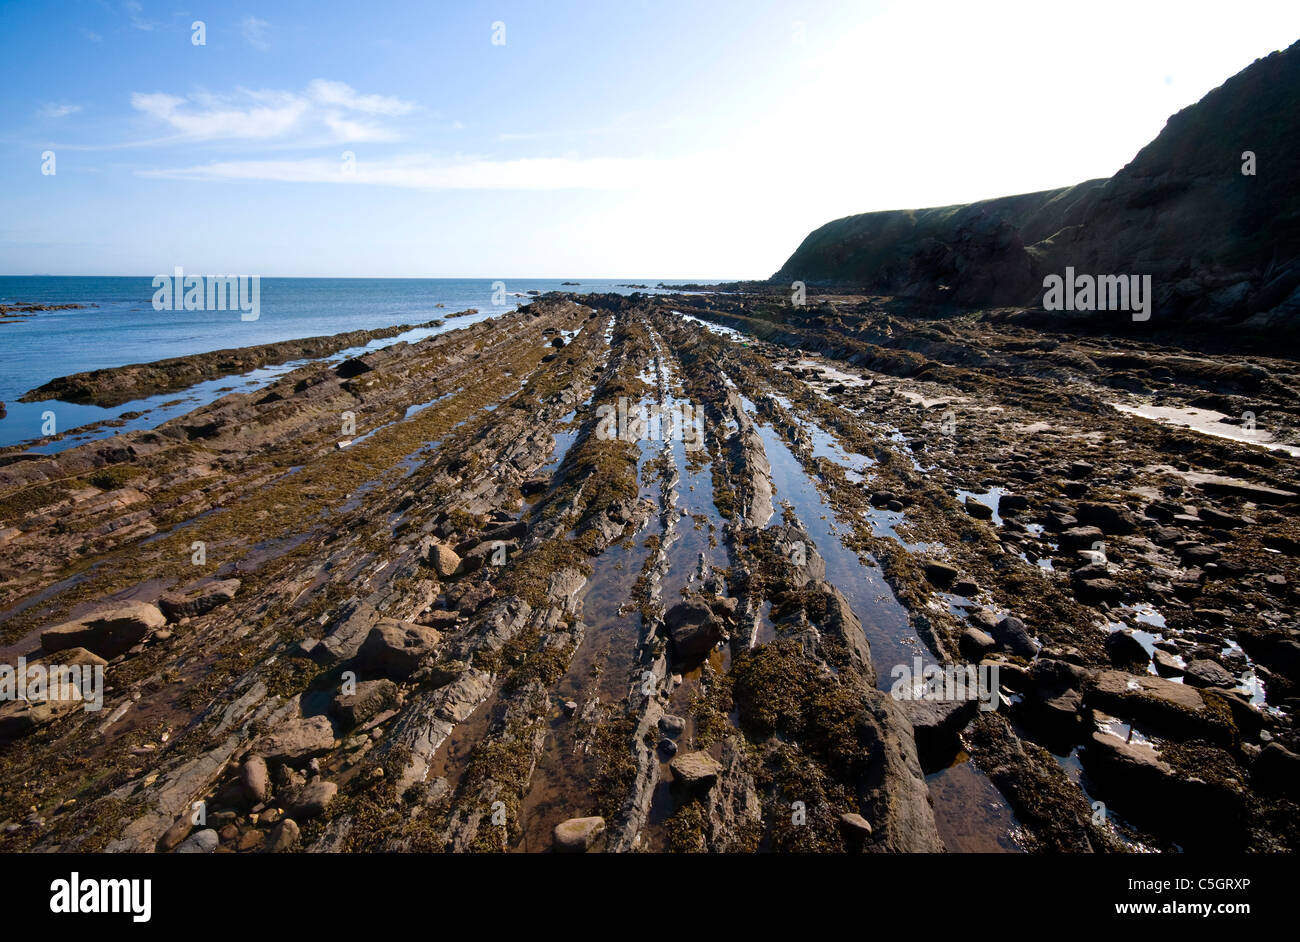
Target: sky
682,139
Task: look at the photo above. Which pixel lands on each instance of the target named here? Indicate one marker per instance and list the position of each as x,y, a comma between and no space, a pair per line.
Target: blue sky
642,139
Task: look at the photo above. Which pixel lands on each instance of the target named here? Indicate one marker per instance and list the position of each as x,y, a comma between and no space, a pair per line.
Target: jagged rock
978,510
1167,664
107,631
1177,710
371,697
199,600
576,835
937,725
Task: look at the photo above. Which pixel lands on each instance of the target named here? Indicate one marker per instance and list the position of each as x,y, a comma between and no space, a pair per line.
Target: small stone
854,825
576,835
284,836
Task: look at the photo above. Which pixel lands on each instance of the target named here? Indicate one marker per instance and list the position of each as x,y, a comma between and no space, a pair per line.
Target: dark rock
1012,637
371,698
1126,651
974,644
1206,673
693,628
940,575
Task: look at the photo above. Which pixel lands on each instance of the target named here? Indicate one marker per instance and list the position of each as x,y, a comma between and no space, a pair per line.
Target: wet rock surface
489,624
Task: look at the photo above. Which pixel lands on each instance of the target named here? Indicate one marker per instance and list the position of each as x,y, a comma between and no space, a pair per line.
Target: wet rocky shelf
472,620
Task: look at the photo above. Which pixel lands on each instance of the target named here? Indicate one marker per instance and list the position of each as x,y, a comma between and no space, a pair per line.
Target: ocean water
119,325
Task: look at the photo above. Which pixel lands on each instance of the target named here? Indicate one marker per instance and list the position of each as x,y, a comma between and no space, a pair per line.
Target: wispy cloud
136,14
255,32
426,171
61,110
334,108
92,36
268,115
343,95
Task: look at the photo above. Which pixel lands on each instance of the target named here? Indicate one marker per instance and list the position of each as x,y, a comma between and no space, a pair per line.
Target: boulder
442,558
940,575
693,628
974,644
1125,650
1109,518
297,741
395,649
1011,636
1277,769
305,802
1207,673
107,631
696,772
1077,538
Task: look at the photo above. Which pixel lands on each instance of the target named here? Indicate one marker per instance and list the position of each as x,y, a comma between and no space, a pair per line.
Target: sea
118,324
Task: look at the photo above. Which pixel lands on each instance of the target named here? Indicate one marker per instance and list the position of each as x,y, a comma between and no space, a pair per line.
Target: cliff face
1221,246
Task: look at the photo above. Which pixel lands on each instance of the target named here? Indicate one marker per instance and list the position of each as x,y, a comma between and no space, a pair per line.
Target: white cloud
254,33
58,111
343,95
327,107
424,171
268,117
